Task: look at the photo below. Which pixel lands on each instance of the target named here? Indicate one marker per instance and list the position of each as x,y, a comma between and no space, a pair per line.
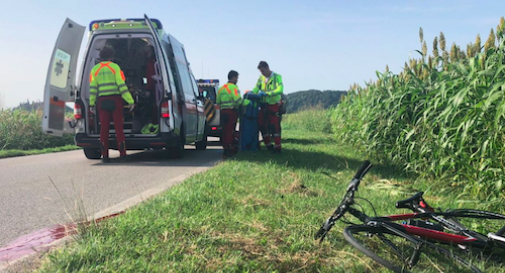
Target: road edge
31,259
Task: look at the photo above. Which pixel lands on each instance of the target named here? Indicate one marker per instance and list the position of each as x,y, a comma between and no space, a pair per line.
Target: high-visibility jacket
228,96
273,88
106,79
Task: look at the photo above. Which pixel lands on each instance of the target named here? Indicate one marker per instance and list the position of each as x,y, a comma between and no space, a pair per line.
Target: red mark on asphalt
39,240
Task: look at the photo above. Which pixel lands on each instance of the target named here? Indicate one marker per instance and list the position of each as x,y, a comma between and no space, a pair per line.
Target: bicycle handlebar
363,170
346,202
353,185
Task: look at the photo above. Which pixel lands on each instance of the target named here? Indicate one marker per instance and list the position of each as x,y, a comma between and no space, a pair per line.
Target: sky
317,44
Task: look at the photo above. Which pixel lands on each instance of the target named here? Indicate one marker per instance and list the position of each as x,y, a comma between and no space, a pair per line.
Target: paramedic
107,82
270,86
229,100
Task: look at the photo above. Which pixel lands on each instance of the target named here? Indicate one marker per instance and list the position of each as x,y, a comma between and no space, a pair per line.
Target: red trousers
269,124
228,122
110,108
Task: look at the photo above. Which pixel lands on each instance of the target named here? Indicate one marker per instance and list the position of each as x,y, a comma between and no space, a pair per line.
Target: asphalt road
42,190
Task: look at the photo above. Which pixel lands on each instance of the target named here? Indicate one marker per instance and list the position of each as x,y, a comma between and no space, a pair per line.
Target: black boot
105,154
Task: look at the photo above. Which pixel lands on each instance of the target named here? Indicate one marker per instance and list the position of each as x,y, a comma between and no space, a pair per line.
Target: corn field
21,129
443,116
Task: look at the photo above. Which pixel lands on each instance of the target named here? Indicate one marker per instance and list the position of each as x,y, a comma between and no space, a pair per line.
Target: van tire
202,145
92,153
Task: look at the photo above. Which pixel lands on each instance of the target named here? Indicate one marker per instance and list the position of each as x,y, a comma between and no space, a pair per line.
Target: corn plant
440,117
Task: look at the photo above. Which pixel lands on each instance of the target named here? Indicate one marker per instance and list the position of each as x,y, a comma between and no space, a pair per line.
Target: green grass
14,153
312,120
21,130
255,213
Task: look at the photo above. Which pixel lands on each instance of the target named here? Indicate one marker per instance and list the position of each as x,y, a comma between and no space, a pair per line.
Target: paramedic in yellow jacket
107,82
229,100
270,86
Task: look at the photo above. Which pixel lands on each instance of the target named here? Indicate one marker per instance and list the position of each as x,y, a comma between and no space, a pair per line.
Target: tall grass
21,130
315,119
438,118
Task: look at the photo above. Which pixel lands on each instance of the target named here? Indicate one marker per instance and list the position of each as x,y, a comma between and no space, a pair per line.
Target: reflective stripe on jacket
273,88
106,79
228,96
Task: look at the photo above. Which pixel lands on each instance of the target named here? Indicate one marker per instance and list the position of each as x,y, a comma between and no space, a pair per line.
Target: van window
185,80
166,48
60,69
194,85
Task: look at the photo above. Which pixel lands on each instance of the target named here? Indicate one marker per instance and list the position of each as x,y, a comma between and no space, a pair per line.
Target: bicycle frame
470,238
429,233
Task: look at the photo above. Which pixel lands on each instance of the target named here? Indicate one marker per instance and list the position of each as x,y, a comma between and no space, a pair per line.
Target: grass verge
13,153
255,213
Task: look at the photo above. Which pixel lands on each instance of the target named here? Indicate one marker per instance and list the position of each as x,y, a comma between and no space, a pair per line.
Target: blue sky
315,44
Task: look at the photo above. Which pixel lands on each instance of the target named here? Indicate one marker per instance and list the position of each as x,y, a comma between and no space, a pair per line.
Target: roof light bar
156,21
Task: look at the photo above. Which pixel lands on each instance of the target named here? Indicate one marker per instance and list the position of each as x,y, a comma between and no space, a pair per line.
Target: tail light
165,112
77,111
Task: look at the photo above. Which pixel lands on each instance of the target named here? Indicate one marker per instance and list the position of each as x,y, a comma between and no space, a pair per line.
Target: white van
174,104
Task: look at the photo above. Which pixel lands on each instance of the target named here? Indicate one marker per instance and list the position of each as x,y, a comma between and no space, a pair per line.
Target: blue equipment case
249,124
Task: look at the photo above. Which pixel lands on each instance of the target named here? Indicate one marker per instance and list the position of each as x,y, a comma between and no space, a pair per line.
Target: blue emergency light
208,81
156,21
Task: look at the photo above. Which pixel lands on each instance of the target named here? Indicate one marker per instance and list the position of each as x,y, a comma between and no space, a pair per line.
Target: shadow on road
162,158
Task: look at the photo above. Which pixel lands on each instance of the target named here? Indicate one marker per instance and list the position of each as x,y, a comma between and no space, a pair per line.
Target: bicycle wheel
479,221
404,253
482,222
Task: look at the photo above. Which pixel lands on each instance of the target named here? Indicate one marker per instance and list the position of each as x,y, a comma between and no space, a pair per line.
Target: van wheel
92,153
202,145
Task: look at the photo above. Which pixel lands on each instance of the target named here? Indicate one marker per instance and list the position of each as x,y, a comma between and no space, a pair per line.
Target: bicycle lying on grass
416,244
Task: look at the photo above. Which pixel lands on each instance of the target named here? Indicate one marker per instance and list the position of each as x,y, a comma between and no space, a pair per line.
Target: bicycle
413,244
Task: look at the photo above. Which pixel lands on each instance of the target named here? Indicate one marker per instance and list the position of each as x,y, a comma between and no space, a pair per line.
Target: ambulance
208,89
169,116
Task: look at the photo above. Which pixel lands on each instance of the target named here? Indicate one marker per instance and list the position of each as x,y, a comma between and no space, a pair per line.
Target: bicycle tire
479,221
399,264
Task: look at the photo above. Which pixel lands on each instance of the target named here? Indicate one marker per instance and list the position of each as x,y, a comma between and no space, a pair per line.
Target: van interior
136,57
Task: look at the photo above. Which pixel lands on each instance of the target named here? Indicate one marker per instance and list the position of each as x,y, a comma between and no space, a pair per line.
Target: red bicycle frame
426,232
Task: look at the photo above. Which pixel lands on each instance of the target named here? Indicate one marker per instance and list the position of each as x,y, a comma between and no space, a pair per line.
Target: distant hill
311,98
33,106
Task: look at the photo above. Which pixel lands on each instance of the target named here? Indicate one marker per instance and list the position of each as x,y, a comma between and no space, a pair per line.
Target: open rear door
60,82
161,60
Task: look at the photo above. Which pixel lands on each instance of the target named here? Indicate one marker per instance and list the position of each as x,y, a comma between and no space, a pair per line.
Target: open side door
60,82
